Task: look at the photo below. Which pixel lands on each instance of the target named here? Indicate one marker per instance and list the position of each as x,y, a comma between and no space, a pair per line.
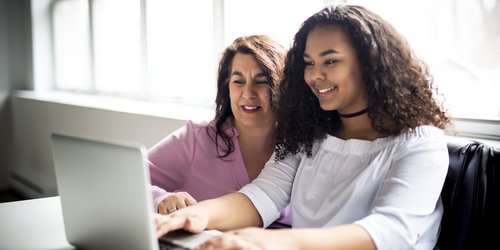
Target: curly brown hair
270,55
399,87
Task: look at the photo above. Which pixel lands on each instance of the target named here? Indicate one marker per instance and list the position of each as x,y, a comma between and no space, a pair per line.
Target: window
156,49
181,60
72,46
279,19
460,40
168,50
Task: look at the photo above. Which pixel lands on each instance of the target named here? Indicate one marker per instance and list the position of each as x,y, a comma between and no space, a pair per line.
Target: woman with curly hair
361,152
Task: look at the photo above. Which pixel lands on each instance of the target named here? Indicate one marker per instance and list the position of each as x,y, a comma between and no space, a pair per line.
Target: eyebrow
238,73
324,53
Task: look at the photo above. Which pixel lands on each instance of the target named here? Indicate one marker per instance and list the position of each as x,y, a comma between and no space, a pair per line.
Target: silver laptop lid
104,191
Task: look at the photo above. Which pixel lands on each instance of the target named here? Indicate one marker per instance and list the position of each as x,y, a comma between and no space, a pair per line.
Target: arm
349,236
405,213
341,237
407,210
169,164
230,211
270,191
240,209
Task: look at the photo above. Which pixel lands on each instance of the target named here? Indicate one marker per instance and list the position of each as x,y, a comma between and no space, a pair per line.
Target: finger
162,209
190,201
168,223
185,199
176,221
164,206
180,204
242,239
227,241
195,223
168,205
213,243
167,209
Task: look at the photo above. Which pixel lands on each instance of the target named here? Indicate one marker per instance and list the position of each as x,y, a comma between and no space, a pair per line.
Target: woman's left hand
252,239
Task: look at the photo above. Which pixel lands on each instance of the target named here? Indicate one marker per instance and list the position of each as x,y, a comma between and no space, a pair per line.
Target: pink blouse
187,160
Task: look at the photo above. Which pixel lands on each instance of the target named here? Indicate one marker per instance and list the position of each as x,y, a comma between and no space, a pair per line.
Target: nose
313,74
317,73
249,91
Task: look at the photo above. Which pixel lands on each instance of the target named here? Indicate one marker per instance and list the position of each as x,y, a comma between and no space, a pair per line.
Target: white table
32,224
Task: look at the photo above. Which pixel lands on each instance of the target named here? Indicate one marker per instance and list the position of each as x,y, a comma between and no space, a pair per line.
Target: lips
250,108
326,90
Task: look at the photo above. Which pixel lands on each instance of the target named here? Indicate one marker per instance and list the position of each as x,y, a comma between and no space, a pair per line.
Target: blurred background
138,69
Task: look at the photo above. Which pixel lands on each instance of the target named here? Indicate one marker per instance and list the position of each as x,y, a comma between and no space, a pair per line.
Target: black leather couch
470,196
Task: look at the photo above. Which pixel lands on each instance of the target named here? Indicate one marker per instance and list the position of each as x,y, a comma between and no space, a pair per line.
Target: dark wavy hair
270,56
399,87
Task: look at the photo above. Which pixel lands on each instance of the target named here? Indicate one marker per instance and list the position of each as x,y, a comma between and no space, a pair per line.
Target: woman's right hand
253,238
191,220
175,201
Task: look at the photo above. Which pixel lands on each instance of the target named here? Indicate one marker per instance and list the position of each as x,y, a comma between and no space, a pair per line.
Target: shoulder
422,140
427,131
423,132
197,127
207,130
410,140
189,131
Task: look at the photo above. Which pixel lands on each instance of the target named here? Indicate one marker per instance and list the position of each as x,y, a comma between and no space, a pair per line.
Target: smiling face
332,70
250,93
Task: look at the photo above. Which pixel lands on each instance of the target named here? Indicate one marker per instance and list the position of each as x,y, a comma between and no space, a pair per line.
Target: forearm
341,237
230,211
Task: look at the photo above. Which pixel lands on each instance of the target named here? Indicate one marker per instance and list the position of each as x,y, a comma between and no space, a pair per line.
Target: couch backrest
470,196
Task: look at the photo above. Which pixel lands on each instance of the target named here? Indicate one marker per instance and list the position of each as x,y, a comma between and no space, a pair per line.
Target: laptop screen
104,190
104,187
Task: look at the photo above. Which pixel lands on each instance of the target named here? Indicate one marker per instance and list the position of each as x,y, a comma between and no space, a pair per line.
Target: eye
262,81
328,62
308,63
238,81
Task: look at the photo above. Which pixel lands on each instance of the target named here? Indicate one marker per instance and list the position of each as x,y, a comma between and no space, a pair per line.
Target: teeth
322,91
250,107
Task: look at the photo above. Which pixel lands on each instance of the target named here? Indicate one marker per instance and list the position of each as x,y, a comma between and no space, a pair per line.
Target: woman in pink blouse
201,161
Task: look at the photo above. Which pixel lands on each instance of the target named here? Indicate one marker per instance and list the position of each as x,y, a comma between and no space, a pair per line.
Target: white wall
34,119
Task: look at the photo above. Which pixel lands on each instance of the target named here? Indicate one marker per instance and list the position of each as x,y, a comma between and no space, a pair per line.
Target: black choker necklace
351,115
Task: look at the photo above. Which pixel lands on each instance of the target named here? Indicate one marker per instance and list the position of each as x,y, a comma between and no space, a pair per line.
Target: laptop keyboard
165,245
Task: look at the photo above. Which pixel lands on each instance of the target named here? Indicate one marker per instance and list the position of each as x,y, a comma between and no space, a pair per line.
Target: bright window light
181,64
460,41
243,17
117,46
168,50
72,46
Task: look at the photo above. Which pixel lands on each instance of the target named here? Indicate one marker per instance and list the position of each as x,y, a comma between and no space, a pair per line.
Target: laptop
104,187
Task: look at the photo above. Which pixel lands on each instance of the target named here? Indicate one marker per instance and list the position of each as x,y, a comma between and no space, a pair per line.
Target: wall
15,72
5,138
36,118
27,119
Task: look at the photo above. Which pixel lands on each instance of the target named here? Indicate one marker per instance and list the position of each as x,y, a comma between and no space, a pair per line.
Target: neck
351,115
357,128
258,137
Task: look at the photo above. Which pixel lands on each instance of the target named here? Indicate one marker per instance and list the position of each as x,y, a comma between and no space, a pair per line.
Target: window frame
44,72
